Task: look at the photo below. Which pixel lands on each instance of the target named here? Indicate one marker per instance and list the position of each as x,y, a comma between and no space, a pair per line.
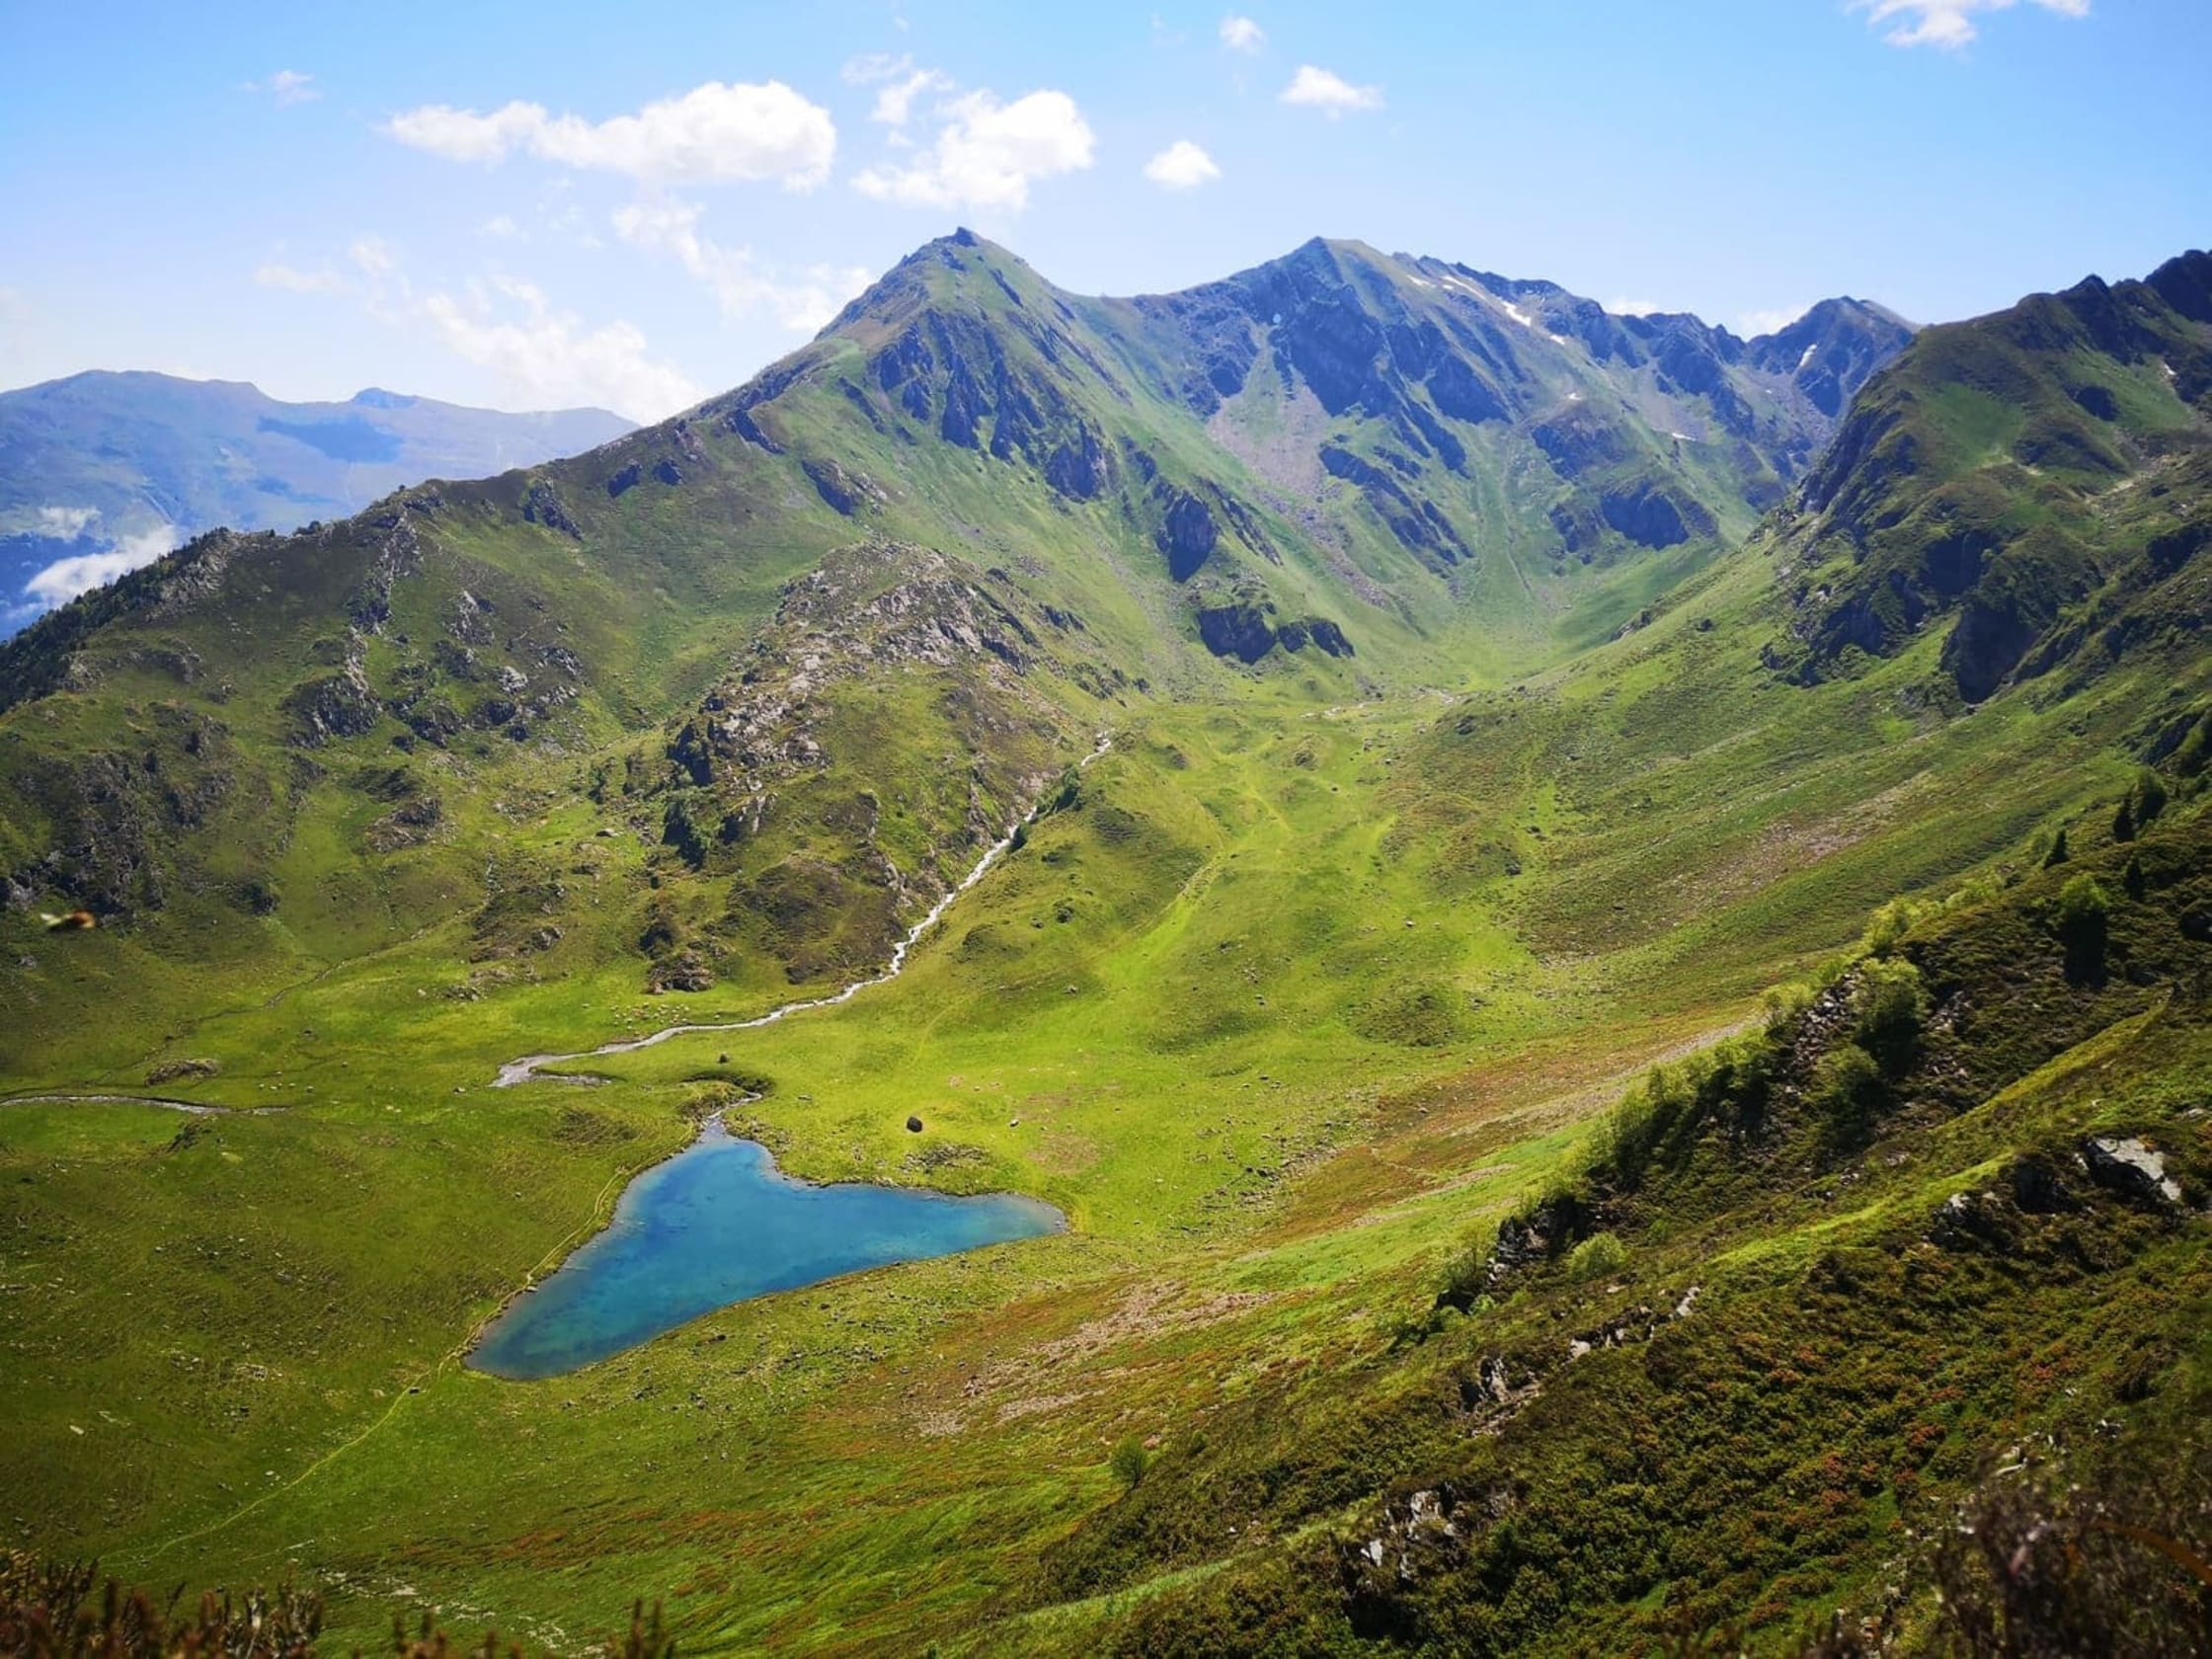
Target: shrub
1598,1256
1889,1003
1848,1090
2083,921
2150,795
2058,853
1887,928
1129,1461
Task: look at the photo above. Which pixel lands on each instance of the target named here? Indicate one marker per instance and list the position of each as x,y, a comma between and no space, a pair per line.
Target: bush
1598,1256
1129,1461
2058,855
2150,795
1847,1091
2084,922
1891,1004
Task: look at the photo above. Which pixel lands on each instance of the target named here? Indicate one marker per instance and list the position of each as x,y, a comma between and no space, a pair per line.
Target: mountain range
1599,930
100,471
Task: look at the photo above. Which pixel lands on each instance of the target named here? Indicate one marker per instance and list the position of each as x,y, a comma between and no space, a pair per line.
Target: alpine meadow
1364,959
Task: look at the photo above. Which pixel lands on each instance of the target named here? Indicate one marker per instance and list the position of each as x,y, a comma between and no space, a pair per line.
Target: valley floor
1286,1011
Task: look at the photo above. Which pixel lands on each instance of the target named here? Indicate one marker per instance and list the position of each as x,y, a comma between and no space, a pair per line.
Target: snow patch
1811,351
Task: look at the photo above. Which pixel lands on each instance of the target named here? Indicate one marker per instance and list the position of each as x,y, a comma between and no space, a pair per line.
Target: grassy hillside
1310,1003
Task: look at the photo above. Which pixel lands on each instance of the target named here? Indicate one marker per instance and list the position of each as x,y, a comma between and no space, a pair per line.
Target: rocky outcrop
542,504
1236,630
845,491
1242,630
1187,534
2129,1166
1655,515
335,706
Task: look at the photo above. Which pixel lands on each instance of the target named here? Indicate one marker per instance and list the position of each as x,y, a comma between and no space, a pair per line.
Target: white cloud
500,227
1946,23
287,87
1329,93
372,255
550,357
1752,324
714,131
1634,307
544,355
738,285
987,154
64,579
1241,34
898,85
276,275
67,523
1182,166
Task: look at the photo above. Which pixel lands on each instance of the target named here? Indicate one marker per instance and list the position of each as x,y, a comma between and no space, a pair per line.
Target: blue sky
524,205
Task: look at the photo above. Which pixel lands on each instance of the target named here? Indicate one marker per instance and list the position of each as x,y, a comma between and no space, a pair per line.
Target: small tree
2133,879
1129,1461
2123,822
2058,853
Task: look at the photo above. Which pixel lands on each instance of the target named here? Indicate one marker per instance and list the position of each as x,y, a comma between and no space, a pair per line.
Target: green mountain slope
2045,462
1311,1004
102,461
619,618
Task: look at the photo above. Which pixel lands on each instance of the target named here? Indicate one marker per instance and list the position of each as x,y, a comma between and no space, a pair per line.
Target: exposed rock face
339,705
845,491
1833,349
1415,520
542,504
1655,515
1236,630
1242,630
2130,1167
1187,534
624,478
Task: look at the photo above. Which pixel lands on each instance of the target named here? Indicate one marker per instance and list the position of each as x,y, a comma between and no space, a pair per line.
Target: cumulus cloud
1182,166
741,132
551,357
738,281
287,87
277,276
1947,23
64,579
67,523
1772,320
897,83
1329,93
987,154
1241,34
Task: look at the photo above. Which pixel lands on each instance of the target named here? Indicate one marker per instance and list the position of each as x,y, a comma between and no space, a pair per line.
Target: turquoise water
719,1223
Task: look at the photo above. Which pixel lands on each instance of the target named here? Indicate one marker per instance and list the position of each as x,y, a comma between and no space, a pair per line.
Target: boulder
913,1125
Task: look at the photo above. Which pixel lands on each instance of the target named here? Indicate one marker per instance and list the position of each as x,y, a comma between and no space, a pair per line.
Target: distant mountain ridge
103,470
